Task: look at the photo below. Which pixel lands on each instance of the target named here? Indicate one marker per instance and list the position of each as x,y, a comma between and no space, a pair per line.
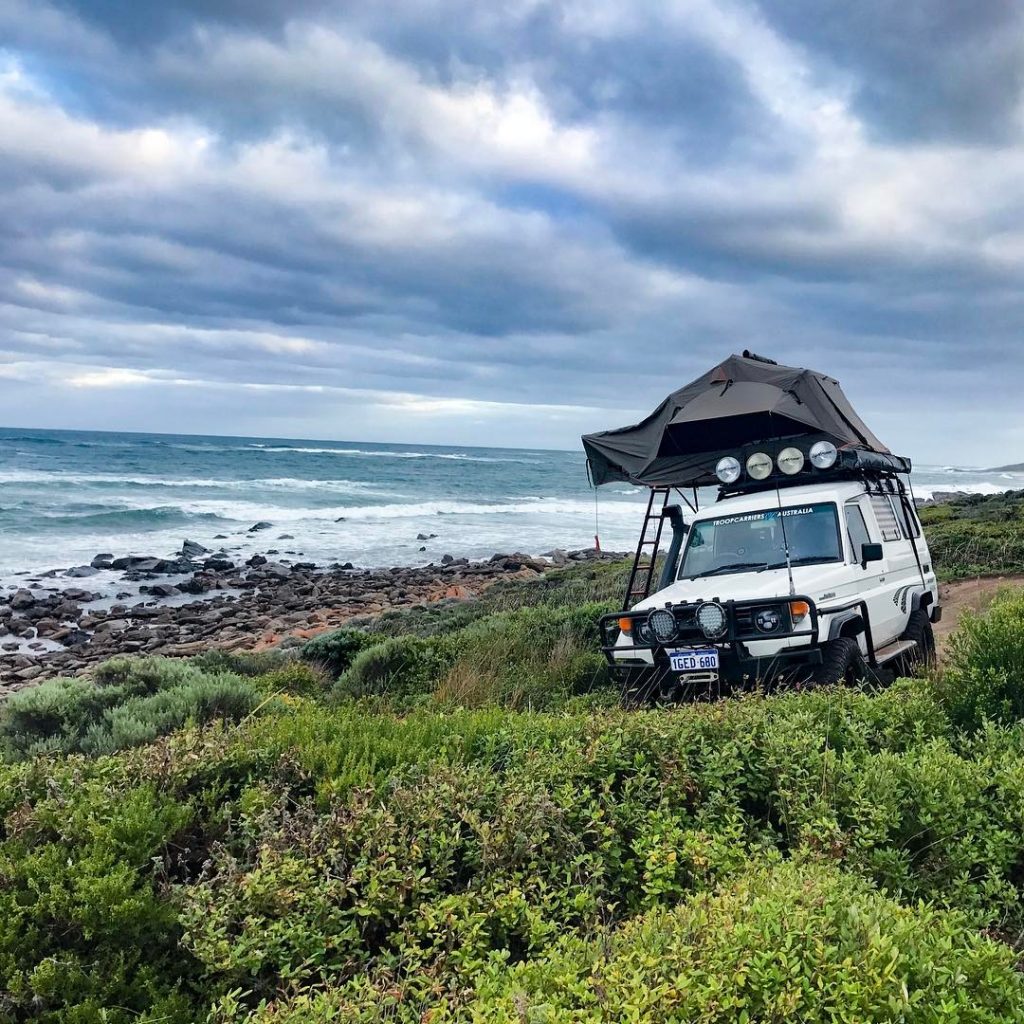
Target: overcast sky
506,223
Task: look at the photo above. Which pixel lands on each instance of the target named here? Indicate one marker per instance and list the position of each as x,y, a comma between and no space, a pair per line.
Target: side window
886,517
858,529
907,516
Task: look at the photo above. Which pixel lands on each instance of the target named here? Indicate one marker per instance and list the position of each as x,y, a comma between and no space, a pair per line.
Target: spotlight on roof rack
791,461
759,465
823,454
728,470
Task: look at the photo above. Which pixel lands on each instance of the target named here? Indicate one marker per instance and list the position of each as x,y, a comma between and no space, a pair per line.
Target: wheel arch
849,623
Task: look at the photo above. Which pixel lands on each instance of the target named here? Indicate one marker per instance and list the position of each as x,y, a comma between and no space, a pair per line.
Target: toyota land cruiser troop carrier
809,566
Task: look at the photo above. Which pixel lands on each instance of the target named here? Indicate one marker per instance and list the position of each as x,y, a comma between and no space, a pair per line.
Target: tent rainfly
744,400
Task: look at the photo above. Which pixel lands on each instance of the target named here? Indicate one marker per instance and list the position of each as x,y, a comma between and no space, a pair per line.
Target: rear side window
886,517
907,517
857,528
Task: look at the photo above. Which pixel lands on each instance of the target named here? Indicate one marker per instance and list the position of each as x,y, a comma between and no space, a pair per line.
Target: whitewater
66,496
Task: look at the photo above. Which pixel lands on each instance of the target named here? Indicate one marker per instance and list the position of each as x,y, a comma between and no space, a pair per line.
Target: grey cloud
579,204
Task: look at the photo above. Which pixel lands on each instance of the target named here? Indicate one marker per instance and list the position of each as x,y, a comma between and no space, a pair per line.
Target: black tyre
841,662
919,629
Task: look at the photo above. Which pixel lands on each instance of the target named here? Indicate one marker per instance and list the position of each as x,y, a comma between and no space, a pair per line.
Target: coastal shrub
85,933
129,701
403,666
984,664
976,535
559,588
799,941
335,651
243,663
532,657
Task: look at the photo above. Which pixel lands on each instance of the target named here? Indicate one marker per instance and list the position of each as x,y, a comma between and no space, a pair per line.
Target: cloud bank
505,224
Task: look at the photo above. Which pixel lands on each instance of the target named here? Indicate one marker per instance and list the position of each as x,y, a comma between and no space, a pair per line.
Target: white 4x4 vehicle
817,583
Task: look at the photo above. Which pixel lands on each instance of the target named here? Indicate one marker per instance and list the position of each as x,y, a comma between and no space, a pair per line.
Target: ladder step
894,650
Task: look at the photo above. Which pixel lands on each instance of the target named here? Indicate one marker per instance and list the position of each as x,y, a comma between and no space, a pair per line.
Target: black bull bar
734,657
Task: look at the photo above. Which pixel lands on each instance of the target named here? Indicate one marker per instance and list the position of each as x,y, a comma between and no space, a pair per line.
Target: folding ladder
642,574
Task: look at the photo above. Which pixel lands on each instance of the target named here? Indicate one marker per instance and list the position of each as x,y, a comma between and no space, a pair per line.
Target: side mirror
870,553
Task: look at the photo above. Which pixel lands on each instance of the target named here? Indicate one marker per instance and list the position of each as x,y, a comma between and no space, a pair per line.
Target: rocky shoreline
54,624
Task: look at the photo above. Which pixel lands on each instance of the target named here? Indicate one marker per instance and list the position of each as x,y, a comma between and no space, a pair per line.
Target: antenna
785,539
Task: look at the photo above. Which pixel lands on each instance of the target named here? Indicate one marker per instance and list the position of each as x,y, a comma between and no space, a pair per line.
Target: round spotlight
728,470
759,465
711,619
823,454
767,620
662,623
791,461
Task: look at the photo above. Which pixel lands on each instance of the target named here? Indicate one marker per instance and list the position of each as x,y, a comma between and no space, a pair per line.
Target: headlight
759,465
662,623
728,470
768,620
823,454
791,461
711,619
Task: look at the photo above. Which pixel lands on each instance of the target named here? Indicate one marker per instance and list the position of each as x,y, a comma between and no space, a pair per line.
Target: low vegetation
445,817
977,535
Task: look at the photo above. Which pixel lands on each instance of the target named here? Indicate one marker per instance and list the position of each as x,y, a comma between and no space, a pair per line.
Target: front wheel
922,655
841,662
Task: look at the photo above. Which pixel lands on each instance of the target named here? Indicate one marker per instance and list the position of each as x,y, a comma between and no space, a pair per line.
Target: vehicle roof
804,494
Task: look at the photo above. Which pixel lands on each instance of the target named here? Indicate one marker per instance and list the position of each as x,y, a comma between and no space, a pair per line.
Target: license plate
701,659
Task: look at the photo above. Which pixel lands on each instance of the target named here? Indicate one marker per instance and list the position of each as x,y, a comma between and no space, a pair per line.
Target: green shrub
796,942
243,663
85,935
532,657
336,650
404,666
130,701
977,535
984,674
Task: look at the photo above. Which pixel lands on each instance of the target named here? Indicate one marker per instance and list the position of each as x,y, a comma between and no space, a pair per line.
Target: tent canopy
744,400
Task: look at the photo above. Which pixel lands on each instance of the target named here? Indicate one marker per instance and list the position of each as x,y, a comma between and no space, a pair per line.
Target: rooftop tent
745,399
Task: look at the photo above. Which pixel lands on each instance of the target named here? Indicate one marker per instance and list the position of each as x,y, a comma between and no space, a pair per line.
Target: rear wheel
919,629
841,662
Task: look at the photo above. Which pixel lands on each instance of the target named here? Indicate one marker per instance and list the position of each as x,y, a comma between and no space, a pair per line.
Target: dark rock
218,564
276,570
22,599
340,519
447,559
102,561
80,572
163,589
78,595
140,563
192,549
286,536
261,525
256,560
423,549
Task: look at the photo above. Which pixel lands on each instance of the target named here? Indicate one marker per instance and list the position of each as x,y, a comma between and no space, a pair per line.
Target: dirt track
968,595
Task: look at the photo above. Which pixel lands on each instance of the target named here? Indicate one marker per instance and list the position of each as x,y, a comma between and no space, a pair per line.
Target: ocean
67,495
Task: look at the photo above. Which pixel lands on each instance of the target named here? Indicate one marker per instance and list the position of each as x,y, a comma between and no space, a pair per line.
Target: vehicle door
901,569
872,585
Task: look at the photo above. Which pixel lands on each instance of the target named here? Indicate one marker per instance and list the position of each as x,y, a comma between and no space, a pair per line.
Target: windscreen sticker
760,517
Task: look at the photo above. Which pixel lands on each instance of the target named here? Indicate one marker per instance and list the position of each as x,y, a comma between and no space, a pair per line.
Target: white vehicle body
734,555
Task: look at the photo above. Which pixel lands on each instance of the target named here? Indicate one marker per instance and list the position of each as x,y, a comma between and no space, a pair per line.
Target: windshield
754,540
